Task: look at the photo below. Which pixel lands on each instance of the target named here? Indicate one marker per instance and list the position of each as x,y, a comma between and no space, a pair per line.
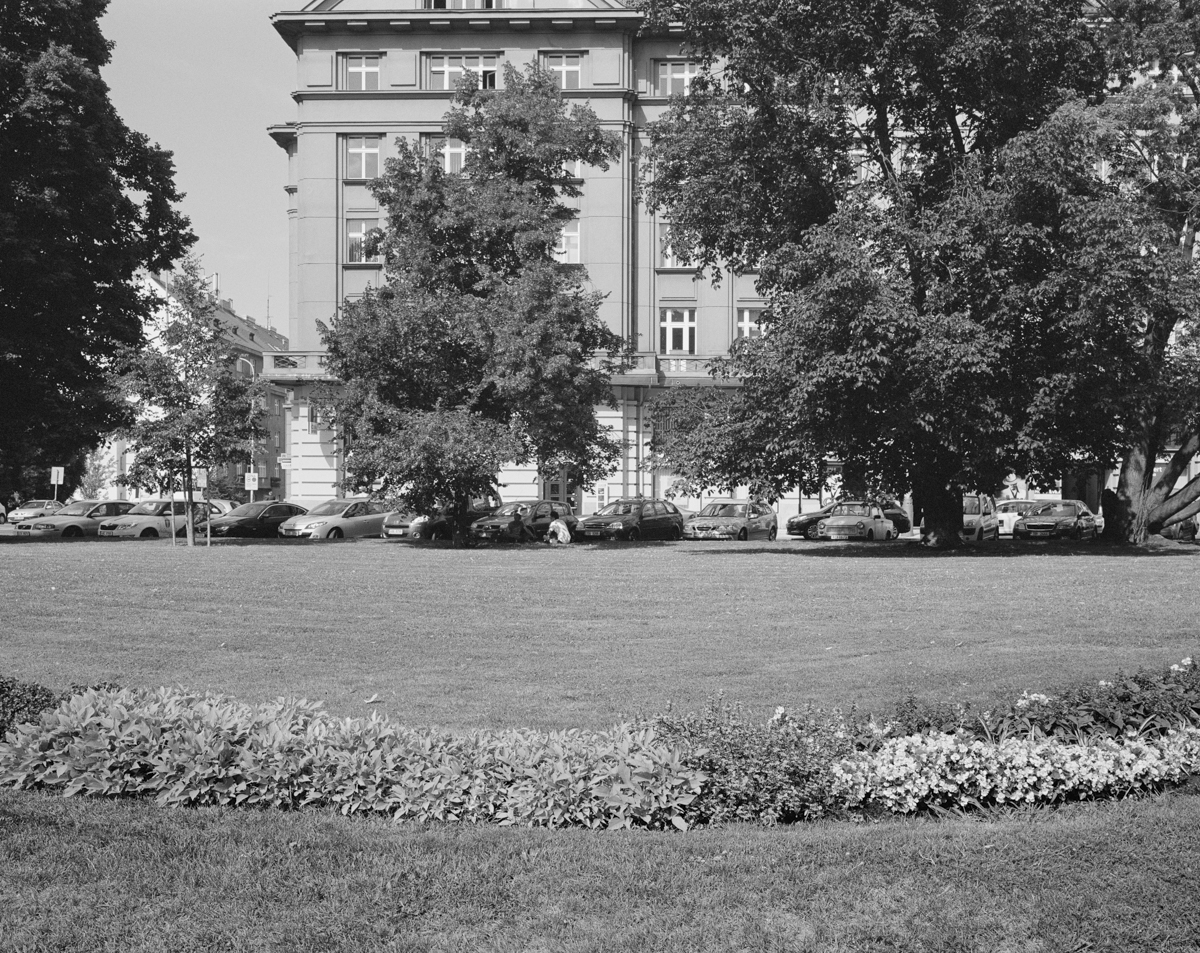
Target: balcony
294,367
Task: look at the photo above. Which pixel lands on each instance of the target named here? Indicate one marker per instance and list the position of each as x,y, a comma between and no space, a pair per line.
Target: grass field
588,635
585,636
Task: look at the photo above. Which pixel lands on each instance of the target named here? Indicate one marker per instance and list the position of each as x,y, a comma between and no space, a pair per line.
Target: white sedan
1009,511
74,519
856,521
31,509
335,519
151,519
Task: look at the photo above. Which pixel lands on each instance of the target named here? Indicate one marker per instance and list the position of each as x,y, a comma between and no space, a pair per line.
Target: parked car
633,519
729,519
216,509
438,525
31,509
857,520
335,519
537,515
1183,530
808,524
151,519
259,520
1057,519
1009,511
979,518
82,518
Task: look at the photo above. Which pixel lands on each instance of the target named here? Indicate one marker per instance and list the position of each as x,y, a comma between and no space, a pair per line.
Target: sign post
252,483
200,480
56,477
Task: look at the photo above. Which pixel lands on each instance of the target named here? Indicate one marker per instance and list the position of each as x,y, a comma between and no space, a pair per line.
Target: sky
204,79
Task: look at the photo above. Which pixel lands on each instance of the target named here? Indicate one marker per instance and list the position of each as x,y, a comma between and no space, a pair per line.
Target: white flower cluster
936,769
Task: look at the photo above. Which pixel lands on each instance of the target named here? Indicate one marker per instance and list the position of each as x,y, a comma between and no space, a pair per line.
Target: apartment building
370,72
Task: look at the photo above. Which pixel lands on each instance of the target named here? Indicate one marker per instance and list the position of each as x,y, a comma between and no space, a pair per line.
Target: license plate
1039,532
395,532
591,532
289,532
839,535
24,532
104,532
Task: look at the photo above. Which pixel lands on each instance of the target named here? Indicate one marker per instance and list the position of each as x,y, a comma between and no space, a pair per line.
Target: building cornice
292,26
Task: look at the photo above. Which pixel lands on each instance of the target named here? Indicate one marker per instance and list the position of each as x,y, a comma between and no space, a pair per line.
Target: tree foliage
971,243
481,348
84,203
193,409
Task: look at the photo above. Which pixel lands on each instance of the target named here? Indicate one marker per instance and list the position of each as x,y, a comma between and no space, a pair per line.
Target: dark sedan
259,520
633,519
537,515
1060,519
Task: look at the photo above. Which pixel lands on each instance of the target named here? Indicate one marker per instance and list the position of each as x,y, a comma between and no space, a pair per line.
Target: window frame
487,73
364,72
744,327
667,256
562,70
349,250
566,252
364,154
686,325
690,71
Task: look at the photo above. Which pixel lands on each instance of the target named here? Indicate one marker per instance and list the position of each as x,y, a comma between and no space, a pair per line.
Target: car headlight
821,528
968,524
313,525
43,526
861,525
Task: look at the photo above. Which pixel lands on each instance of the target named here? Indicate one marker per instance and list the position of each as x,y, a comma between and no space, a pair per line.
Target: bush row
678,770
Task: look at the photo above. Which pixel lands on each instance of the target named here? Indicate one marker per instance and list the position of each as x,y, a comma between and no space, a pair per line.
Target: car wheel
676,533
635,534
870,535
149,533
773,534
335,533
743,535
887,535
72,531
812,532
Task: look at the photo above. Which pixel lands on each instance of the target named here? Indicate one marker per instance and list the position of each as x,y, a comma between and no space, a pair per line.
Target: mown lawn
589,635
104,876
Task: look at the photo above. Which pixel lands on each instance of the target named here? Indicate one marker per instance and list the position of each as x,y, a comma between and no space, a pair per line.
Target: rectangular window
567,69
674,77
453,152
360,72
463,4
567,250
668,257
573,169
445,70
356,234
747,323
677,331
362,157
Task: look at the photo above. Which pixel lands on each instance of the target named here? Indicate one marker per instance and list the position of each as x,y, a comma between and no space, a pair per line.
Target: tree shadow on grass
908,549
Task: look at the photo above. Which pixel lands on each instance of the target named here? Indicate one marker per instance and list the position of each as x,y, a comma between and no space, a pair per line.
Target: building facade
370,72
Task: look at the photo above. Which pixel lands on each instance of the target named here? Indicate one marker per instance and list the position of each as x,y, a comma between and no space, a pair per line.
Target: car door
539,521
271,519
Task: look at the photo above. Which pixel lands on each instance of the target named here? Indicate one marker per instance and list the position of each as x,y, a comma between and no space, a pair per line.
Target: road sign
56,475
199,477
285,461
252,480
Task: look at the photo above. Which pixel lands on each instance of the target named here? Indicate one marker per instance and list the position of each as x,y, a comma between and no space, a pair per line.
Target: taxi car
151,519
82,518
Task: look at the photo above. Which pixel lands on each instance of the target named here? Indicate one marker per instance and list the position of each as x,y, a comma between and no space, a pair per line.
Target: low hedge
181,748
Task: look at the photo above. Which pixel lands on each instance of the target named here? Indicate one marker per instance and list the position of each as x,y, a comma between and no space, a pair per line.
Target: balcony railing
295,366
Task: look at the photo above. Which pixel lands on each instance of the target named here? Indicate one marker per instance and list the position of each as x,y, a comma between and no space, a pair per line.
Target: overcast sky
204,79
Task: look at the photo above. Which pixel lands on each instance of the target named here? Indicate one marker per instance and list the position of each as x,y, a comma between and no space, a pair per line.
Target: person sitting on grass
517,531
559,533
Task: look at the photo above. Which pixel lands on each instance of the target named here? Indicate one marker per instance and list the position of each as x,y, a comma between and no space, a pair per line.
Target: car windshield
851,509
249,509
513,509
1015,506
727,510
619,508
329,508
149,508
75,509
1054,509
970,506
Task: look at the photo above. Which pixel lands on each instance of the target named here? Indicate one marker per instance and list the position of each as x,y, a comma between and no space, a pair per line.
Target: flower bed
678,771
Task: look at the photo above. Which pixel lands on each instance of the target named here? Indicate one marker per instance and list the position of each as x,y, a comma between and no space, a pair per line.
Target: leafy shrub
778,772
189,749
23,702
944,770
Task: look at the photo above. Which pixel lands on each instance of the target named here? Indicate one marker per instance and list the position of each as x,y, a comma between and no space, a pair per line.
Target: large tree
837,150
482,348
84,203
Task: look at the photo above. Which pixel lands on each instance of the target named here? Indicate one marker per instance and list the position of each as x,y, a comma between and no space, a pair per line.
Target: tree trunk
188,529
941,509
460,524
1143,505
